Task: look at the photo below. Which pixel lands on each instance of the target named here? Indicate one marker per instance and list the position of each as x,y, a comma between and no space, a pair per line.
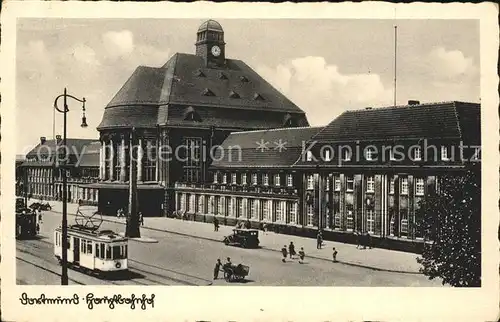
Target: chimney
58,139
42,140
413,102
368,108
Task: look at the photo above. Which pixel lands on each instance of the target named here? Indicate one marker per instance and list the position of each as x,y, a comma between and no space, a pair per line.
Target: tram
90,249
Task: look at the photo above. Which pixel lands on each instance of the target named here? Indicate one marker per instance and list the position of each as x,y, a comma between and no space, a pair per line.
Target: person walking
217,267
141,219
284,253
291,250
216,224
302,255
334,255
39,215
319,240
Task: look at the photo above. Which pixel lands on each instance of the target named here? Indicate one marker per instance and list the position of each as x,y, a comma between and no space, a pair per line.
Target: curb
266,248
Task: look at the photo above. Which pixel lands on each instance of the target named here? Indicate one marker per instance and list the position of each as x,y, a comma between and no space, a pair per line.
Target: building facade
40,177
178,112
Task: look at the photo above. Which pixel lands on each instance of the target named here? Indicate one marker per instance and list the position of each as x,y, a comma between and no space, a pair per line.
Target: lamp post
64,224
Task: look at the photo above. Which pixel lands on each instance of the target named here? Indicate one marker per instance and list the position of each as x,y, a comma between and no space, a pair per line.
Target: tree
451,221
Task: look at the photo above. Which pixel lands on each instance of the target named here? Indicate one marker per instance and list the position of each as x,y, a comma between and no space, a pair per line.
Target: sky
324,66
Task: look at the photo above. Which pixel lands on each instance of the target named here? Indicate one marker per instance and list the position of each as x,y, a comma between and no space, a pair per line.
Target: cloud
84,54
118,43
450,64
322,91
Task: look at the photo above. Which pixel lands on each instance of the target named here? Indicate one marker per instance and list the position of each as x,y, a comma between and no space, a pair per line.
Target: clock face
216,51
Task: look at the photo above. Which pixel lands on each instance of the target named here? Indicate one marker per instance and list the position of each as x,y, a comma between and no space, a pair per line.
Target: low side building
368,169
44,178
252,180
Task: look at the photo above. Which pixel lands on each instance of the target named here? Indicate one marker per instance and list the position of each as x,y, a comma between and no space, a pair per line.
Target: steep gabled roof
263,149
435,120
185,80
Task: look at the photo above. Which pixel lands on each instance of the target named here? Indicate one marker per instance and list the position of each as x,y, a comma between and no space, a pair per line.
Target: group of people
120,213
219,267
292,253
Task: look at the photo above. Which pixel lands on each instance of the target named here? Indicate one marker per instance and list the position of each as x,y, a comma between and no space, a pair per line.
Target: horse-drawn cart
236,273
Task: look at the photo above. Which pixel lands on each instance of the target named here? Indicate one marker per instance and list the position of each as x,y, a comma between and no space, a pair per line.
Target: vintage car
41,206
246,238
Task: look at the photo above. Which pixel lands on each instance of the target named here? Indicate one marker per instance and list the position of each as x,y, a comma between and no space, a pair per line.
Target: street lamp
64,261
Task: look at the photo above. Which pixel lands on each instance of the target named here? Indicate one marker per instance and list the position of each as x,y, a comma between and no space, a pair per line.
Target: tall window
417,154
404,221
215,177
350,183
349,218
254,179
391,185
310,215
266,213
191,203
193,164
243,178
251,206
404,186
289,180
265,179
346,156
201,204
234,179
293,212
280,210
239,207
182,202
370,184
370,221
219,201
337,183
149,161
328,155
419,186
327,183
277,180
310,182
224,178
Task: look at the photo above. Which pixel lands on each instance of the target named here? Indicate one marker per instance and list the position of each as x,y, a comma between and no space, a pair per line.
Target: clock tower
210,44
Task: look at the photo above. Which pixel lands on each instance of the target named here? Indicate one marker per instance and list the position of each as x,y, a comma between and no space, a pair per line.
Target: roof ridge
409,106
278,129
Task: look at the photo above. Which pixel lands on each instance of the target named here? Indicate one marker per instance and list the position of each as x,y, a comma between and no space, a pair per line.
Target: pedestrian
334,255
37,229
218,264
284,253
216,224
118,213
39,215
228,263
248,225
141,218
319,240
302,255
291,250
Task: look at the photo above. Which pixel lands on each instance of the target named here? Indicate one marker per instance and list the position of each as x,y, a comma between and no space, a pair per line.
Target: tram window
126,251
69,242
108,252
89,247
118,252
102,251
97,250
83,246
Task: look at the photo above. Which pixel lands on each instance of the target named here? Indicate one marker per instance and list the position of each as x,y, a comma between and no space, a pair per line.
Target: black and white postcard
249,161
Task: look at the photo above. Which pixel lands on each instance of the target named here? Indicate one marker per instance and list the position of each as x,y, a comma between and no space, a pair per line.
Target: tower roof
210,25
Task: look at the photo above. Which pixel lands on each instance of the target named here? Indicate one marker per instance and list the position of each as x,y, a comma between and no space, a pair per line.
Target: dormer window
258,97
222,76
233,94
243,79
215,177
207,92
309,156
234,180
277,180
224,178
417,154
254,179
265,179
190,114
346,156
370,154
444,153
289,121
289,180
243,178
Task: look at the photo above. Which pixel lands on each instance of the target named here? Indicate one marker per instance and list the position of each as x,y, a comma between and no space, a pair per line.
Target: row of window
370,184
370,154
102,250
258,209
244,179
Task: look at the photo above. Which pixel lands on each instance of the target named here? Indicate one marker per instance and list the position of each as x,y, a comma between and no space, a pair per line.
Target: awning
121,186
